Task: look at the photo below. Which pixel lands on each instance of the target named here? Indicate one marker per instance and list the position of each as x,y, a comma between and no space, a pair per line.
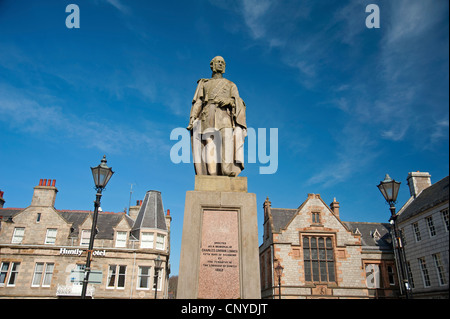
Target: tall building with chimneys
43,249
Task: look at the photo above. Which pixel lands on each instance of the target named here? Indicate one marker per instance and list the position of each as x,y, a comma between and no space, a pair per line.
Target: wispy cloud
119,6
27,115
389,87
355,150
254,12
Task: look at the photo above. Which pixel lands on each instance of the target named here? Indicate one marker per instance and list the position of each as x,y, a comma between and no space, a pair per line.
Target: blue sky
350,103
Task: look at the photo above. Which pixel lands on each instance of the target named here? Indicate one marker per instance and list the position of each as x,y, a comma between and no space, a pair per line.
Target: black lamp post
158,263
279,272
102,173
389,188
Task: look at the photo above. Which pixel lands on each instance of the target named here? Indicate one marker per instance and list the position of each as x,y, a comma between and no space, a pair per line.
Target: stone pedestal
219,249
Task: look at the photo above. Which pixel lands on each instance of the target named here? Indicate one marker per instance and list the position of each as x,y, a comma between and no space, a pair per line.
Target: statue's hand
191,124
225,102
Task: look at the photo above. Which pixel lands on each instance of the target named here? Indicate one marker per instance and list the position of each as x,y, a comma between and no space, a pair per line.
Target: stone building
324,257
424,223
43,249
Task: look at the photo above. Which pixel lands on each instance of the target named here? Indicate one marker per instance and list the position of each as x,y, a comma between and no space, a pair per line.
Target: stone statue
217,124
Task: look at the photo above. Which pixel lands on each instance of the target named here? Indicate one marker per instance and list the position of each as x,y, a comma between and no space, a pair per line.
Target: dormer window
376,235
121,239
85,237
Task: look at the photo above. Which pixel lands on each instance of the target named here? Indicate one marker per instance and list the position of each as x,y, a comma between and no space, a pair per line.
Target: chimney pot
168,212
45,182
54,183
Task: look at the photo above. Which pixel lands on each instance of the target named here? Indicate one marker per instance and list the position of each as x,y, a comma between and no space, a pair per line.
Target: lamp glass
279,270
389,189
102,174
158,262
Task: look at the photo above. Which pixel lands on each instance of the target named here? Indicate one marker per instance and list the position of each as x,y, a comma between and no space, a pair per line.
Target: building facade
424,224
43,249
324,257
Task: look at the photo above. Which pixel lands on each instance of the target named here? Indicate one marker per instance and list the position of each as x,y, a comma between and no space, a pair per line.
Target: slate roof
281,217
151,213
428,198
6,213
374,235
105,222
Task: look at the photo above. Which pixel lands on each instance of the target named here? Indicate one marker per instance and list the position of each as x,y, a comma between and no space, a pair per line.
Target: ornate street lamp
102,174
158,263
279,272
389,189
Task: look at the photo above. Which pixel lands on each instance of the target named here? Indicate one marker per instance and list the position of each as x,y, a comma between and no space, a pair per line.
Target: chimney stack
2,201
134,210
45,193
168,219
417,182
335,207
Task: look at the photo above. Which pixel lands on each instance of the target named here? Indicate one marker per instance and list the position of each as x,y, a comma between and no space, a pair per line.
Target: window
431,228
143,277
439,269
315,218
444,214
411,279
121,239
18,235
8,273
85,237
147,240
417,232
424,270
391,276
43,273
116,276
318,257
160,241
38,217
79,268
50,238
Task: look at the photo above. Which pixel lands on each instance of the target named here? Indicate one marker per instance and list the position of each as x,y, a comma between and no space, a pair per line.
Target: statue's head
217,64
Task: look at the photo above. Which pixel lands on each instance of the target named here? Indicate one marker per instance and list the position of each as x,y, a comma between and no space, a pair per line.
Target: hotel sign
77,252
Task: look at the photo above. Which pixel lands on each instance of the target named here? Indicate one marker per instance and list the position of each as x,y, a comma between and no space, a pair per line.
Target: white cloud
23,113
254,12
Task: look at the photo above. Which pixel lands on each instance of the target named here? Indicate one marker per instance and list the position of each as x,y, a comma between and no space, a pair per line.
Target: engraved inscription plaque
219,257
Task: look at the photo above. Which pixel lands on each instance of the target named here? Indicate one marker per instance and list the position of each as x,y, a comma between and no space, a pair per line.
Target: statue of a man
217,124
